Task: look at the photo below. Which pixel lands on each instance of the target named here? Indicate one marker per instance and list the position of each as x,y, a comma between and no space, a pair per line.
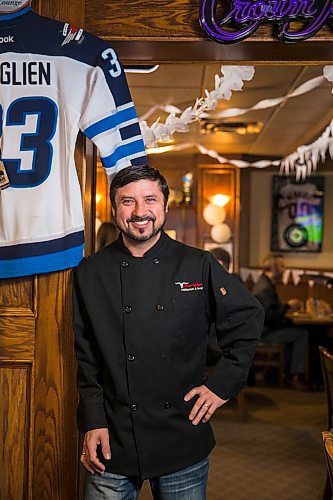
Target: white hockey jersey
54,81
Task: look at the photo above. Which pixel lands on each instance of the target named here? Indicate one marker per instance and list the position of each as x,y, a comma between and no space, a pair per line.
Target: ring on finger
207,406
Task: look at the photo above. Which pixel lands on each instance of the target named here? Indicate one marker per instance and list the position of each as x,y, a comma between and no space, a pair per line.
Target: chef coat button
159,307
128,309
156,261
124,263
131,357
167,405
134,407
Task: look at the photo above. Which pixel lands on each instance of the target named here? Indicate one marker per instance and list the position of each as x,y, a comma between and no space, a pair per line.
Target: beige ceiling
298,121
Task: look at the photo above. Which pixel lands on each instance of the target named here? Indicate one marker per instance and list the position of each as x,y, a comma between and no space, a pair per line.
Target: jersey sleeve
109,117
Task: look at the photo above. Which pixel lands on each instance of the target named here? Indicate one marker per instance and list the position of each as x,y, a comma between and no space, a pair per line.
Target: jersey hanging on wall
54,81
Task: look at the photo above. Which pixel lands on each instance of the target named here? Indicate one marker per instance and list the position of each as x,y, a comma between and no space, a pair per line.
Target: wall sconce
214,214
98,198
211,126
220,200
220,233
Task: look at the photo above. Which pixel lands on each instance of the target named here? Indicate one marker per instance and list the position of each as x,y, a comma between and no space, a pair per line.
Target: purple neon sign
245,16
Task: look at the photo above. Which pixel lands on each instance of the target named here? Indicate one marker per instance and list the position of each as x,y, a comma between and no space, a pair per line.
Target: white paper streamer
305,159
297,274
285,276
270,103
264,104
244,273
302,162
213,154
233,79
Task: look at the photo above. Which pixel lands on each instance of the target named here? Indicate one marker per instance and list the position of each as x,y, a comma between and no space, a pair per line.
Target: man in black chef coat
143,307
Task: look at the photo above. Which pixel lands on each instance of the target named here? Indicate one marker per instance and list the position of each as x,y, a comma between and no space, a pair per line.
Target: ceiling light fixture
220,200
242,128
141,69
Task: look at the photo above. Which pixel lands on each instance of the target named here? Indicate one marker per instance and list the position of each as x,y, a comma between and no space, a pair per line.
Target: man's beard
145,237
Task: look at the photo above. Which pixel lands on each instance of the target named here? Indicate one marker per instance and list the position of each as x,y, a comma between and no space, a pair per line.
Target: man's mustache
134,218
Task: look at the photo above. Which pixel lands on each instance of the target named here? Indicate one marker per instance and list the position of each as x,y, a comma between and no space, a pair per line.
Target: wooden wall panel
17,292
14,423
17,338
158,20
54,415
72,11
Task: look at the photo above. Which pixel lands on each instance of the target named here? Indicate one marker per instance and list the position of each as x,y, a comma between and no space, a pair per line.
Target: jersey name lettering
25,73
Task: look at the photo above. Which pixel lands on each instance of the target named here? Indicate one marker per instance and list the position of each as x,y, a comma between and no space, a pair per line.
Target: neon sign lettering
245,16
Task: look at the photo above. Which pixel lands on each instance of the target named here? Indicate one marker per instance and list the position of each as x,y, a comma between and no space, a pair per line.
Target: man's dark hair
137,173
221,254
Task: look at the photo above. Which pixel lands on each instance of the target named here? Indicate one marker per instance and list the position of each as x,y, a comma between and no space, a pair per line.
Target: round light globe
221,233
213,214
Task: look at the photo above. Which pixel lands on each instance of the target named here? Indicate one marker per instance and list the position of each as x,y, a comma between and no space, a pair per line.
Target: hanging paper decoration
233,79
302,162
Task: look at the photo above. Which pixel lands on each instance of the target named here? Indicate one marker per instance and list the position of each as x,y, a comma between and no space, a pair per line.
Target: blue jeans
185,484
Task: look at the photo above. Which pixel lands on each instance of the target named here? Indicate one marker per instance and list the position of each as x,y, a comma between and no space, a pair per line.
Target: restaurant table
319,327
303,318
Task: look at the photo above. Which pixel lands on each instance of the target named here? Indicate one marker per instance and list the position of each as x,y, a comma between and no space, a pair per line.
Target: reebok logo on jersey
71,33
7,39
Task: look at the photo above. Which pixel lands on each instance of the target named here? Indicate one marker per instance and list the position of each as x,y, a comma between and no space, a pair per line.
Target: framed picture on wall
297,214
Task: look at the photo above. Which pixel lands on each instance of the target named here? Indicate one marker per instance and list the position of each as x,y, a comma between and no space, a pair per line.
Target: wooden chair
271,356
326,360
328,446
327,369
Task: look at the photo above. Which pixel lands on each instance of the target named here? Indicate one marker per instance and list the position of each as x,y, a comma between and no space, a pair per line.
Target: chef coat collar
154,251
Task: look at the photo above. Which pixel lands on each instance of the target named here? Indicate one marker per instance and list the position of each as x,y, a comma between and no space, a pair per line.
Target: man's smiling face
140,210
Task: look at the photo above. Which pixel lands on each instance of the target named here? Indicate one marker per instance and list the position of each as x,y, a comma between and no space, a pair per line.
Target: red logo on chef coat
185,286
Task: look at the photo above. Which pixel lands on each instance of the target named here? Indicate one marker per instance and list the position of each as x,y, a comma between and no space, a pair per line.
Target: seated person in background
277,327
222,256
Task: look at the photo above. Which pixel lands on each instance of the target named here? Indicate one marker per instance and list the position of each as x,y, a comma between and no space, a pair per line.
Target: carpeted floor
276,453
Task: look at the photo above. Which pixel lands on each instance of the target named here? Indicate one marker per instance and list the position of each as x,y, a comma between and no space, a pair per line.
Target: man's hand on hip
89,458
205,405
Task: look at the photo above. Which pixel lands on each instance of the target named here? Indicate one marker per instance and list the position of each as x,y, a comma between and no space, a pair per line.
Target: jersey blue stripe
42,247
110,122
6,17
41,263
123,151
